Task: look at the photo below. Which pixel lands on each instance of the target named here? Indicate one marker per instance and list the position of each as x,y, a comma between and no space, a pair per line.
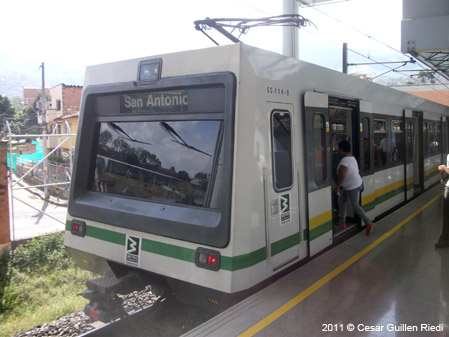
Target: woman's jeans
353,197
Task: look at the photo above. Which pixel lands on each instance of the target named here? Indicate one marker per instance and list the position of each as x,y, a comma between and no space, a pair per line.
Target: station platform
390,283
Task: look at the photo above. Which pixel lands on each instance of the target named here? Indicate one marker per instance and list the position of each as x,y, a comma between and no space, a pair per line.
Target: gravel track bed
78,323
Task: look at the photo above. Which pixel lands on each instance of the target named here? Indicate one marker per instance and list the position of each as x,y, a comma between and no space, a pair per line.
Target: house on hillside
62,115
30,94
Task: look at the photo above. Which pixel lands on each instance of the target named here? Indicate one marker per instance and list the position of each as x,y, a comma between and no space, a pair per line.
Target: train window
170,162
282,150
425,138
410,141
432,140
319,141
380,142
438,138
397,142
365,145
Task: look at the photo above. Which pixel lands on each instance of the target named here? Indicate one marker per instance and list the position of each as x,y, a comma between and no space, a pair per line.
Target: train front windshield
158,159
162,161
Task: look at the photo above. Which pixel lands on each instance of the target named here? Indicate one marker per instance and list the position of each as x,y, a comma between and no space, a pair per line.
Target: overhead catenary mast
290,36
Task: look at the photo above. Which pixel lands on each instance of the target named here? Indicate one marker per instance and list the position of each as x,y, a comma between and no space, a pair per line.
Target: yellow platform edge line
317,285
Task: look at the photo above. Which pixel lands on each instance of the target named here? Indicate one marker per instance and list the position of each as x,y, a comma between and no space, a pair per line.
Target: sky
68,36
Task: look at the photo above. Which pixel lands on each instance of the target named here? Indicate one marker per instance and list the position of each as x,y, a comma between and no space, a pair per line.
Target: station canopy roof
425,33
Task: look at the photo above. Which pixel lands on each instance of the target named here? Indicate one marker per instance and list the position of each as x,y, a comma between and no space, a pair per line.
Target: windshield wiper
178,139
120,131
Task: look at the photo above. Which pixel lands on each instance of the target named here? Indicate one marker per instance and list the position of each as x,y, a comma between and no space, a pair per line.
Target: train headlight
149,71
209,259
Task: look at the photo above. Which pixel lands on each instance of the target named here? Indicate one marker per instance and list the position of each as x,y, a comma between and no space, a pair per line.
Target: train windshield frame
158,158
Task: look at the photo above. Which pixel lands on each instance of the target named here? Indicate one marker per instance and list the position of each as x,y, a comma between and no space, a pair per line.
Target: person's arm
443,168
341,173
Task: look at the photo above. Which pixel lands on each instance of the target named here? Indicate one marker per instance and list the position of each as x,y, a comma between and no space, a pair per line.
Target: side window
434,139
432,144
397,142
282,150
365,145
410,141
437,139
319,141
425,138
380,142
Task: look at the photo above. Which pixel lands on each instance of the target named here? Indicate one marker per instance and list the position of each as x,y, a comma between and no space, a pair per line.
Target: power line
20,85
380,42
357,30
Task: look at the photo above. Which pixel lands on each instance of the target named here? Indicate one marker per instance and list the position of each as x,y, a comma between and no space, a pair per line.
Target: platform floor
391,283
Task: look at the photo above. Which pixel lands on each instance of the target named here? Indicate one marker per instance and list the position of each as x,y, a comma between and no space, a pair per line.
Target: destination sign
185,100
155,102
190,100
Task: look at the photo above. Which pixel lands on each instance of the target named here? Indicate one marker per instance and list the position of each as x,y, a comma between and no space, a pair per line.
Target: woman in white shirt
349,186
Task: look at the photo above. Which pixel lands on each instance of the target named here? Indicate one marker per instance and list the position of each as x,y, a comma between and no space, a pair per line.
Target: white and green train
211,172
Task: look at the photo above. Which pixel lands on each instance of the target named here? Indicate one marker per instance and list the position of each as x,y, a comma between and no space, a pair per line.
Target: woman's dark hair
345,146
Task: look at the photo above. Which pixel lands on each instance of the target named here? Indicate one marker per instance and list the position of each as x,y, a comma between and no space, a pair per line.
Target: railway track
164,318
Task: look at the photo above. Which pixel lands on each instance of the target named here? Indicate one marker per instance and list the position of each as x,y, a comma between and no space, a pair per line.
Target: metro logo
285,203
284,199
132,245
132,251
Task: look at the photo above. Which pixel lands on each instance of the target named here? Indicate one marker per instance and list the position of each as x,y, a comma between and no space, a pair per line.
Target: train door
418,155
443,140
317,149
284,232
344,121
410,130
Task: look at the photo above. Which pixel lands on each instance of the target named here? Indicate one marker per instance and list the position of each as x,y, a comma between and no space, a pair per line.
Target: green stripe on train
101,234
243,261
431,175
320,230
285,243
327,226
188,255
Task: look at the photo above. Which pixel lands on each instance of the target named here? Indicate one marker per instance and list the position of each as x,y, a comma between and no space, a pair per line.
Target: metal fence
52,178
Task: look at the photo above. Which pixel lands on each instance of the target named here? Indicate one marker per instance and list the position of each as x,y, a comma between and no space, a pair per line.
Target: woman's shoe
369,228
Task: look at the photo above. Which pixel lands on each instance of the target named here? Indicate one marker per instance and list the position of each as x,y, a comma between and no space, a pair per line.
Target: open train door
318,163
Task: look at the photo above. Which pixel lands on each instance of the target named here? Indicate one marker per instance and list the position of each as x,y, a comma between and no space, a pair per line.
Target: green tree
29,119
426,76
6,111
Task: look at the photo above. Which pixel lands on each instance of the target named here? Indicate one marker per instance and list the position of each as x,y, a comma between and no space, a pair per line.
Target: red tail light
206,258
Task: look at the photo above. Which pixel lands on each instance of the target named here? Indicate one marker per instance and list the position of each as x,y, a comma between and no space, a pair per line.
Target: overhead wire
21,84
442,92
382,43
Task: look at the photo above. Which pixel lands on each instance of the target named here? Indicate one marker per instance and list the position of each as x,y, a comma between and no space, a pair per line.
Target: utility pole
44,132
345,58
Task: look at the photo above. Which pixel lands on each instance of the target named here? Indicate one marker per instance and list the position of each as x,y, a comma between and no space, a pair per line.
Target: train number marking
278,91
